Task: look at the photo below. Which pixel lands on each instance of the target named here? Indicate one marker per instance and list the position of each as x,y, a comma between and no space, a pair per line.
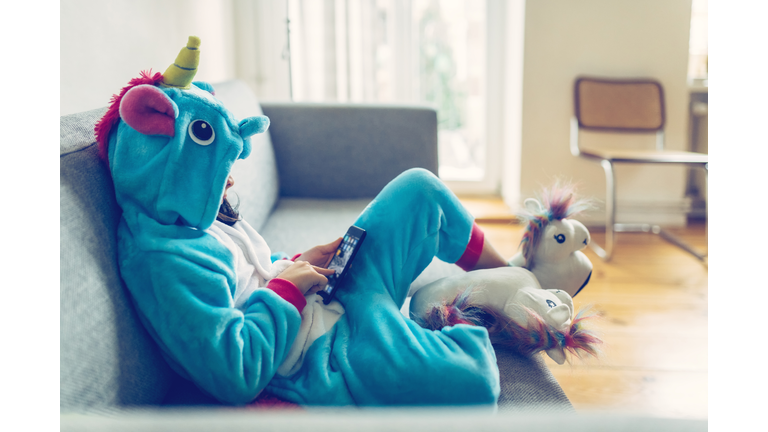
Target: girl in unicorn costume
234,322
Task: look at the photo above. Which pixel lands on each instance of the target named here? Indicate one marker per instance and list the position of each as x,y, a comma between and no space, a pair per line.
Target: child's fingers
324,271
332,246
319,283
329,250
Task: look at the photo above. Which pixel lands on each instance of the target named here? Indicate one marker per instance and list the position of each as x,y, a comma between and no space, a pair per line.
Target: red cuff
288,291
474,248
295,256
268,401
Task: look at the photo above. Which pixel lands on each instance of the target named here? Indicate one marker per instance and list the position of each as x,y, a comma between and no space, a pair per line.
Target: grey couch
305,182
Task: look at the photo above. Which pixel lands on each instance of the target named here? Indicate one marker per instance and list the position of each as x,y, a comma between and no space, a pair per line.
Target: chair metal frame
607,160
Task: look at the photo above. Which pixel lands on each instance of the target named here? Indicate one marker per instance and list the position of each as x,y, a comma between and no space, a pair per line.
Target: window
401,51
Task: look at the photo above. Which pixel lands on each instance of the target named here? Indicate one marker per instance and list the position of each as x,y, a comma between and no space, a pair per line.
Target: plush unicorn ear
148,110
533,206
253,126
249,127
202,85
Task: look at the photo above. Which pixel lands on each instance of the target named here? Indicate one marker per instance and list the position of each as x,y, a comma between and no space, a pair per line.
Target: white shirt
254,269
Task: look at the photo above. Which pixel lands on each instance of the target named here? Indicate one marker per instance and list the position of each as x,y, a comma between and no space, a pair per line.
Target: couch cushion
256,180
528,385
298,224
106,357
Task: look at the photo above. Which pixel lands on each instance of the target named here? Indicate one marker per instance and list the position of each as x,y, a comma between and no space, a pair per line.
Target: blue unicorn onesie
212,299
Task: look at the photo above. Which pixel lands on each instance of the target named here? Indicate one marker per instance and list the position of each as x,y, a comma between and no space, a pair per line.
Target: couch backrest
107,359
340,150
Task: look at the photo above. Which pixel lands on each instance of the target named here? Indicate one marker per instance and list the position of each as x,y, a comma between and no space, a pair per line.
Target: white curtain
353,50
399,51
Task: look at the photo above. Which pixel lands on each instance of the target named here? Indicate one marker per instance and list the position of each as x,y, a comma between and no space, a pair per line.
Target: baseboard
670,213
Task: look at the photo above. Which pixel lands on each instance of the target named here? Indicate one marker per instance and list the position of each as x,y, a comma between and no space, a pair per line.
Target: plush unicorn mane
536,336
559,203
458,311
112,116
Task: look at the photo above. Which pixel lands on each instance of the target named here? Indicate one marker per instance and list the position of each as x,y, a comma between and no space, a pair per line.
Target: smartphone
341,261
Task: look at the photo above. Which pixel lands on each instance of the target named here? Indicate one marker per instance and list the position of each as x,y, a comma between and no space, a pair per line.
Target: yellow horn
181,73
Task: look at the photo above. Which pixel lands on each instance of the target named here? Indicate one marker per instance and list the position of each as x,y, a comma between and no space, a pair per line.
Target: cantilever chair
625,106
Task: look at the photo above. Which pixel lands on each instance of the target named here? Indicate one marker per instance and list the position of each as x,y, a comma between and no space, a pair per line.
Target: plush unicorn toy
552,245
509,302
519,310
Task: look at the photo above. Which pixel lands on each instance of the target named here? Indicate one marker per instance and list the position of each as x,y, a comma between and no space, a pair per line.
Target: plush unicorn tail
536,336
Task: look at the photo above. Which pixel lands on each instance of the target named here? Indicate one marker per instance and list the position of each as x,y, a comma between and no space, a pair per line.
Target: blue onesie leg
376,356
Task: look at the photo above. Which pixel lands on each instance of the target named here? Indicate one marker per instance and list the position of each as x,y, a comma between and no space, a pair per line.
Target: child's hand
320,256
307,278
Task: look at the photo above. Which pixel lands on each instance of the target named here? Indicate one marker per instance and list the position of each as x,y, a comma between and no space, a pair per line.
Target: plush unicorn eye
201,132
560,238
551,304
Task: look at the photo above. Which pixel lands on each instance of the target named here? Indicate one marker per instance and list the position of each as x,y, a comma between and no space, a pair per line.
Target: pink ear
148,110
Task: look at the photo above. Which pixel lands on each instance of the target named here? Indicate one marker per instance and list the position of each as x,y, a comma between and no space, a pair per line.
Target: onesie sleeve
288,291
187,307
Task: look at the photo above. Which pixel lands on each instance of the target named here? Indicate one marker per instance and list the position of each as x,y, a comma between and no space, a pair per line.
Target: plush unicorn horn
552,244
181,73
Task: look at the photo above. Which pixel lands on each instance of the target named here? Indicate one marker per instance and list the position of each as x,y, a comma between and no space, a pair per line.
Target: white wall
106,43
619,38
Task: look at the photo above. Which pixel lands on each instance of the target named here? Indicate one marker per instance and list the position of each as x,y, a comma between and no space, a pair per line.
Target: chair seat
646,156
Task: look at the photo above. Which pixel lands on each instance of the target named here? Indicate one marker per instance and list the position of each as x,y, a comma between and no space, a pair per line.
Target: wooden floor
652,298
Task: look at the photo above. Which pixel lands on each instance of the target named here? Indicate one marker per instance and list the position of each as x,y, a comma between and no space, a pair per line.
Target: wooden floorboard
652,298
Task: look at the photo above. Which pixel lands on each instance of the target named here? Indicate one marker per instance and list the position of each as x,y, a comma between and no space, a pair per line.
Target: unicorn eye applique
551,304
201,132
560,238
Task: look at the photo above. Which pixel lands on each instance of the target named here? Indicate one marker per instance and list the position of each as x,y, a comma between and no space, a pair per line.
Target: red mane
104,126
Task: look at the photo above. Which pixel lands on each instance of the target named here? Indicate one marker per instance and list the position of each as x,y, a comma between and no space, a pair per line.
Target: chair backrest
622,105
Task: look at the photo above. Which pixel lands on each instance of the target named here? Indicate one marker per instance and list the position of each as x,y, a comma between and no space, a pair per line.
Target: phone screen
341,260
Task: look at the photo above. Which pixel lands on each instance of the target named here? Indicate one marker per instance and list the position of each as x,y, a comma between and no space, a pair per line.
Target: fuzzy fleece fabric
169,183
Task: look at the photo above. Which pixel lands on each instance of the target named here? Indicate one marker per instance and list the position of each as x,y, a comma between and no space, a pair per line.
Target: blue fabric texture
181,278
376,356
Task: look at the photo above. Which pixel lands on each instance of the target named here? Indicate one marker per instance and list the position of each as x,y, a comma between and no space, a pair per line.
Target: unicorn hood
174,145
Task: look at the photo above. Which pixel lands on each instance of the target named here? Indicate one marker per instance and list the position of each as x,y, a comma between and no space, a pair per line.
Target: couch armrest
348,150
330,419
